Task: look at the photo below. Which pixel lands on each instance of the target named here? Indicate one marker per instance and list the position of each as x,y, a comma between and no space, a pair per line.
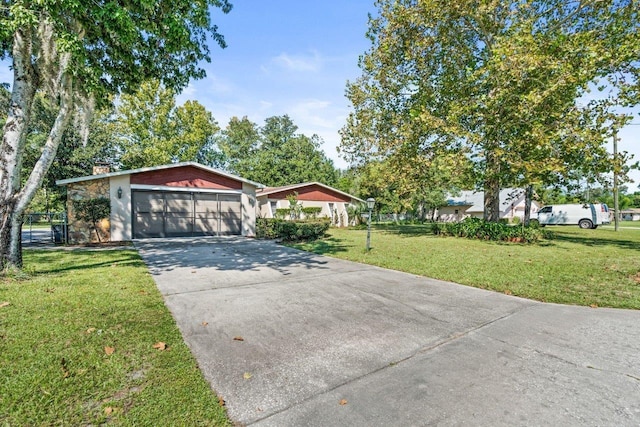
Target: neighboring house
333,202
183,199
471,204
630,215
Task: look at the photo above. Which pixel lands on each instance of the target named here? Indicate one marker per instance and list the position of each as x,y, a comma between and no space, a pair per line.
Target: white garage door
181,214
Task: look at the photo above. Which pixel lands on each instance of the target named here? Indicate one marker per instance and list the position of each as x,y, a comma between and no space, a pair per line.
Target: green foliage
115,46
282,213
152,130
290,231
295,208
475,228
92,211
496,84
275,154
311,211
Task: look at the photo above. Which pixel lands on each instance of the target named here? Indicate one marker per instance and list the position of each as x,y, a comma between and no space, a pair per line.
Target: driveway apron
289,338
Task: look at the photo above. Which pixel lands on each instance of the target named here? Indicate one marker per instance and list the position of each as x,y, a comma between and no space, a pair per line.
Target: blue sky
294,57
287,57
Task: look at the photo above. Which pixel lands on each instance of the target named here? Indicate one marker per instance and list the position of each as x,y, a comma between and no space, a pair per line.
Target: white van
587,215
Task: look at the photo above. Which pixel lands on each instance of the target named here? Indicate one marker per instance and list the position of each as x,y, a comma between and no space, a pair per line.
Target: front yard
599,268
85,339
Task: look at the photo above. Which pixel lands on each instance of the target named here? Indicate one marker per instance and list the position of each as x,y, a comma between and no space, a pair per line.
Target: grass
581,267
65,314
625,224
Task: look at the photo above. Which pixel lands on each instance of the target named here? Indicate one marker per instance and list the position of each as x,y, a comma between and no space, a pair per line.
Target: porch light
370,203
119,192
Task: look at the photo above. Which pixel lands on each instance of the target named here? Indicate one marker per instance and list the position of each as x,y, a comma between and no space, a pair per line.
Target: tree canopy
275,154
77,54
496,82
151,130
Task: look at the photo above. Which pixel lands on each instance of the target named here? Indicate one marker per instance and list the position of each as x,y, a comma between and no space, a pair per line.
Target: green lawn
584,267
625,224
77,336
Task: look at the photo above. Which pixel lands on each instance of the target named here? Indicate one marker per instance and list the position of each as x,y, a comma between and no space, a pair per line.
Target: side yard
85,339
599,268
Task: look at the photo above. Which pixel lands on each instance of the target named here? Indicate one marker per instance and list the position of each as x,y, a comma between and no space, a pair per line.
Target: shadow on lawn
48,261
595,240
405,230
326,246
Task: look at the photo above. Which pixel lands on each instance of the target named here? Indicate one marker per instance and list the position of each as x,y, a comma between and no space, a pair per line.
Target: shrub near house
474,228
290,231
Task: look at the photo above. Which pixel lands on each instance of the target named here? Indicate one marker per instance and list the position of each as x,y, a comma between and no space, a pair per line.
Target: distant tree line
148,128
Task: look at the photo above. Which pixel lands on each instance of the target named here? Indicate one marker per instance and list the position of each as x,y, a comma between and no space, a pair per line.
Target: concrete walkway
289,338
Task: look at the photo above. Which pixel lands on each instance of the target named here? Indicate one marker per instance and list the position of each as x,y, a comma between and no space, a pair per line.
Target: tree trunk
492,188
11,151
13,199
528,195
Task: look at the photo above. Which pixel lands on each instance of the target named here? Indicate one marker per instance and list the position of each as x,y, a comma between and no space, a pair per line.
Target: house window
274,207
331,211
456,212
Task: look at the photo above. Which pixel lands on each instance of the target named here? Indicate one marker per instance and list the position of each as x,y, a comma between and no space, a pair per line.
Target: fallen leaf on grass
221,401
90,330
160,346
108,410
109,350
238,338
594,306
65,370
343,402
4,304
508,292
246,375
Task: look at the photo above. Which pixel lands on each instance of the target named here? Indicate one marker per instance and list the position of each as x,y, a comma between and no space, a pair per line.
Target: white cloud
265,105
312,62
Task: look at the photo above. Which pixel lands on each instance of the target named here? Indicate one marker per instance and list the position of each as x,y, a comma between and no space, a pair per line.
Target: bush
474,228
311,211
282,213
274,228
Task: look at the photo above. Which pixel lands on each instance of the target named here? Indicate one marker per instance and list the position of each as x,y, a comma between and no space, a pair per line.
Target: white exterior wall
264,208
249,207
448,213
120,208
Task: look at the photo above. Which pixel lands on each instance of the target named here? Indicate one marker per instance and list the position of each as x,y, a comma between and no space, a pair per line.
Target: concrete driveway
289,338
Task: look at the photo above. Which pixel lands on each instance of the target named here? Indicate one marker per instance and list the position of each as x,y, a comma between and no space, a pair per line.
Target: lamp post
370,203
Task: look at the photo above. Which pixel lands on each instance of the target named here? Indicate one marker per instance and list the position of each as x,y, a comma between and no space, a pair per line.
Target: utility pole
615,179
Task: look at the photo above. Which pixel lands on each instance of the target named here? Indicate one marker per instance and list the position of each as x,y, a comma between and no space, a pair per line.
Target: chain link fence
45,227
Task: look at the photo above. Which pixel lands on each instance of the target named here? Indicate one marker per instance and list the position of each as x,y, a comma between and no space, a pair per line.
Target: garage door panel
177,224
230,203
207,203
148,225
205,224
230,225
174,214
148,202
179,202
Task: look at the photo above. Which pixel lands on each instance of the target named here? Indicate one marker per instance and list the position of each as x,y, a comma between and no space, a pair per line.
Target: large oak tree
77,53
496,81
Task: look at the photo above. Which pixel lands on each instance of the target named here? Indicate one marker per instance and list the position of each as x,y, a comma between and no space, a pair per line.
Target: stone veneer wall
81,231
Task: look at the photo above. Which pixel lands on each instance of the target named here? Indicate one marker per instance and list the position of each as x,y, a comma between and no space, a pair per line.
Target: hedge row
275,228
475,228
